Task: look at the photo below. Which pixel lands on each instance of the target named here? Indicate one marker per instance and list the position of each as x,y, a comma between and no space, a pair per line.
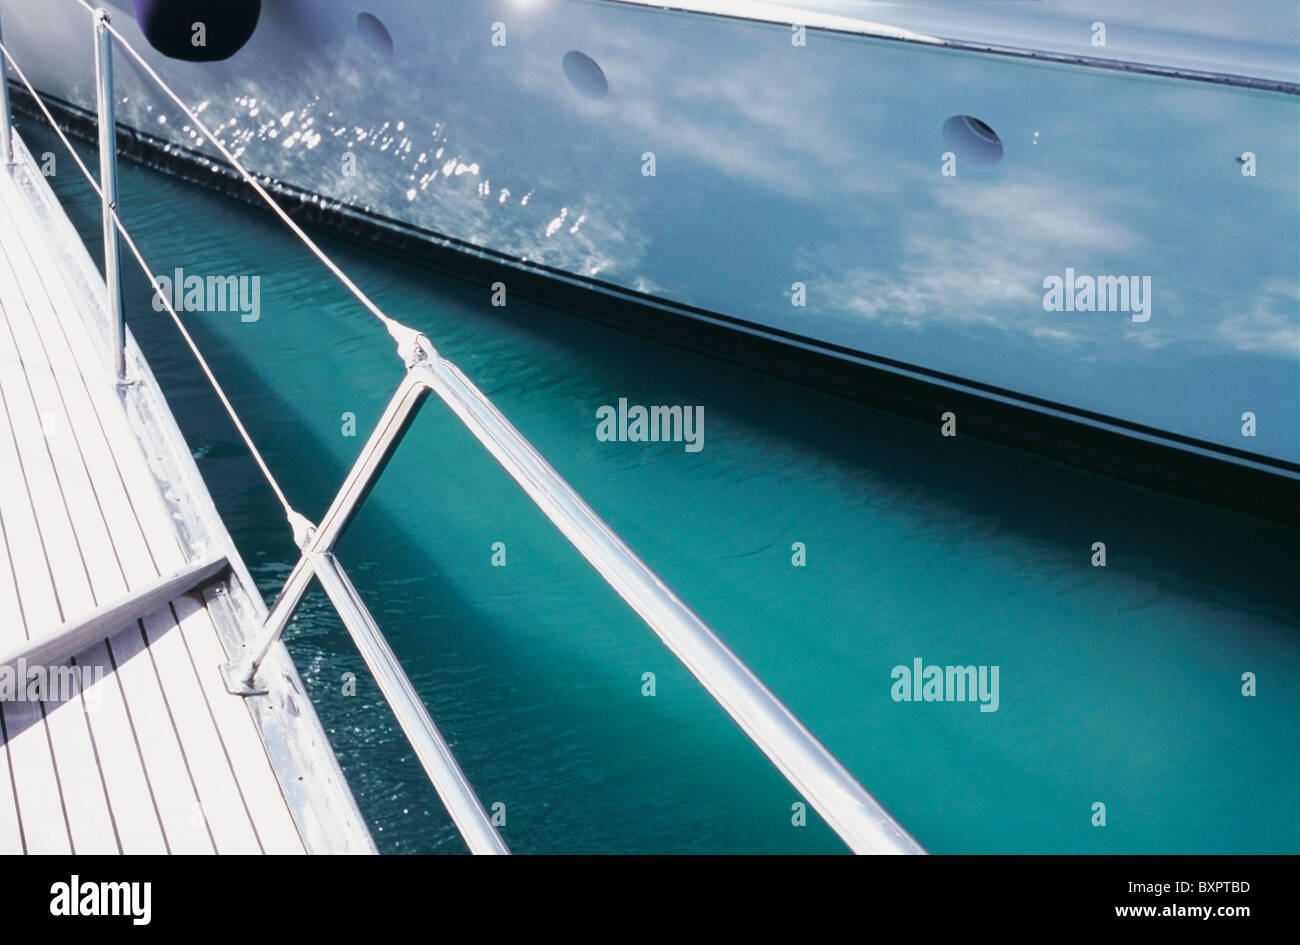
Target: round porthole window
975,143
197,30
374,34
585,76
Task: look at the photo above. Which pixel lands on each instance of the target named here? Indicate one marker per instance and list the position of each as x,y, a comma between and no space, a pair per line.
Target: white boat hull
716,167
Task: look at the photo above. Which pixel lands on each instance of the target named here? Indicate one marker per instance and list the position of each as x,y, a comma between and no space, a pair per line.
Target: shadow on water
959,485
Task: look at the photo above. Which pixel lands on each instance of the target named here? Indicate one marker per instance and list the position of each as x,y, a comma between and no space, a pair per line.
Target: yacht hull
878,214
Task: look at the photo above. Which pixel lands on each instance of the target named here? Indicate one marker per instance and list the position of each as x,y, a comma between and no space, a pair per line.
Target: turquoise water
1120,685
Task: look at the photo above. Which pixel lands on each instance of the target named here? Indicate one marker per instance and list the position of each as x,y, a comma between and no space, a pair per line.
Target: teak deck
99,499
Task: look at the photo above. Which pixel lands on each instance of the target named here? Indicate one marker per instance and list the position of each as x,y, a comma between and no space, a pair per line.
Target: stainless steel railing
108,188
6,120
856,816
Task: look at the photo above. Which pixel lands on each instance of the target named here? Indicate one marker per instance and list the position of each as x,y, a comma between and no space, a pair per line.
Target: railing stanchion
108,185
6,126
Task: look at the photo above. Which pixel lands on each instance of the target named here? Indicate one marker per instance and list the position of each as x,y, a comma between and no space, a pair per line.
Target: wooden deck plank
266,804
236,730
131,791
120,766
11,620
66,494
92,404
31,762
11,631
171,782
156,755
122,730
133,766
63,498
221,800
90,820
36,783
64,489
11,831
152,547
37,793
187,832
72,750
186,828
144,727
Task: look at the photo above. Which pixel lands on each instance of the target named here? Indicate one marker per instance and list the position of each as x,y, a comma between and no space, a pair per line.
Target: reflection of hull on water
513,141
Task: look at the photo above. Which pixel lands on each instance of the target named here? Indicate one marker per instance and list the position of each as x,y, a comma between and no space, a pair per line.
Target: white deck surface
157,757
